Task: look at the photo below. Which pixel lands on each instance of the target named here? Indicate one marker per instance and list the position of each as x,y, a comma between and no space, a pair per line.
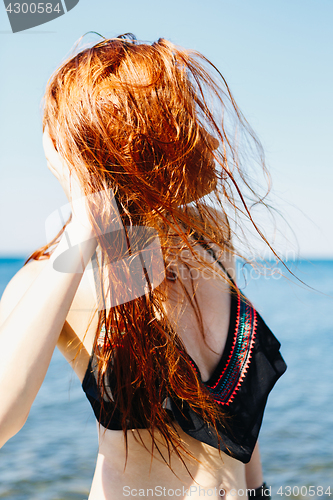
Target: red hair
157,124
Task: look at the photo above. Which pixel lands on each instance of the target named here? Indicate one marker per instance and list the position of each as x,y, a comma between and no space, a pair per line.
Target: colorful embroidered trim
230,379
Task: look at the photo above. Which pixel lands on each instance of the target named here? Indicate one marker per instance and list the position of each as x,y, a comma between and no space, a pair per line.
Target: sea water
53,456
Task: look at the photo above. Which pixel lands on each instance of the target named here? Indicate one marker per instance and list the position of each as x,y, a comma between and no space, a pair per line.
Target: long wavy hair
157,125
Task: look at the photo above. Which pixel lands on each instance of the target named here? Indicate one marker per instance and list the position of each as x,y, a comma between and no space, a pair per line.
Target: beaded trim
235,369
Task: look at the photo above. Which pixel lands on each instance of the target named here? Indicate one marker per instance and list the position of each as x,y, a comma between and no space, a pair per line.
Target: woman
174,360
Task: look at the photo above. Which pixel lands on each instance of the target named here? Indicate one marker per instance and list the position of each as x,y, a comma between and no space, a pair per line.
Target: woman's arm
30,327
253,470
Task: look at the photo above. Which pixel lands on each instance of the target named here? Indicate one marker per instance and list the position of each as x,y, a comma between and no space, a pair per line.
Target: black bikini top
246,373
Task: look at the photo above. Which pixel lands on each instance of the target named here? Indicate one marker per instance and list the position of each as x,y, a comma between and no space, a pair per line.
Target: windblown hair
158,126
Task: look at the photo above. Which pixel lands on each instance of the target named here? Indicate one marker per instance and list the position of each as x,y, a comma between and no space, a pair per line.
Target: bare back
214,470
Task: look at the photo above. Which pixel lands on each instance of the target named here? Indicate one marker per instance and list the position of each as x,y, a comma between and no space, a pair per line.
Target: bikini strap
98,287
202,242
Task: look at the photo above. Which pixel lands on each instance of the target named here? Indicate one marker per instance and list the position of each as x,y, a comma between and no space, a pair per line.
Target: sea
53,456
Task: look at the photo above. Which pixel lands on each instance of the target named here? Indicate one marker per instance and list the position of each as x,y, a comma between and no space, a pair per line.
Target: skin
70,323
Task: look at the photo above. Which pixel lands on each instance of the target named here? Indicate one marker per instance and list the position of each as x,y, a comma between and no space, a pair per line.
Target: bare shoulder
224,250
18,285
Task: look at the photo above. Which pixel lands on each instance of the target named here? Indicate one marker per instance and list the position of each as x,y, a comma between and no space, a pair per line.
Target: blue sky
276,57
